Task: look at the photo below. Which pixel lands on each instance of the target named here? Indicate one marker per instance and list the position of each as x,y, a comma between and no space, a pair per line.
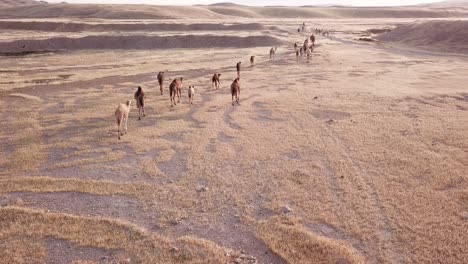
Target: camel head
129,102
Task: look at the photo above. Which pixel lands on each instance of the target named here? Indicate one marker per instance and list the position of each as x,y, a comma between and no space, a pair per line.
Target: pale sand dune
216,12
446,36
107,11
449,3
77,27
7,3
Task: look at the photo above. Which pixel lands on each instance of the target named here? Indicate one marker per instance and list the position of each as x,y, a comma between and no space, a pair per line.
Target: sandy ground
357,156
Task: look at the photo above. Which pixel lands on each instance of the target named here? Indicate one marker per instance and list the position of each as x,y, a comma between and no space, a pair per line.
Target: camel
140,102
309,54
191,94
215,80
161,81
235,90
121,114
238,67
306,44
175,90
312,38
273,52
252,60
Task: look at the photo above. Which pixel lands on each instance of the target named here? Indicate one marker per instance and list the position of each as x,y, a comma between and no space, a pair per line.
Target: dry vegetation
297,245
359,156
139,246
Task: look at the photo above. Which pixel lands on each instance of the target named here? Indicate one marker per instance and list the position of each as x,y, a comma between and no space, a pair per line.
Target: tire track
385,231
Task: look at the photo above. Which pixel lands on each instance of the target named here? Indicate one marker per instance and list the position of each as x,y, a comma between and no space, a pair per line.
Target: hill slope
216,12
8,3
446,36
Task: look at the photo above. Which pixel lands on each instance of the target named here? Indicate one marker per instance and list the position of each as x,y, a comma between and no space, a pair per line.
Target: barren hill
8,3
220,11
449,3
448,36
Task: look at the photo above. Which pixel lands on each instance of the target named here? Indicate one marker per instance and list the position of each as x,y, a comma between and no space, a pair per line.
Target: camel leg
126,123
118,129
232,99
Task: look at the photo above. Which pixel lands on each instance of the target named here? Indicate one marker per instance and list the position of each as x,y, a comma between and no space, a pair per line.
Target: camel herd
175,87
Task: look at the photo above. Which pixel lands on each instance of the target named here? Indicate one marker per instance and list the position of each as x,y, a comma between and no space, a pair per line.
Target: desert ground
358,155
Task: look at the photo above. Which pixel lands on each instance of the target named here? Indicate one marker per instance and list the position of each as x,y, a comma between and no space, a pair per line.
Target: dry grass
107,234
296,244
107,157
43,185
21,250
25,132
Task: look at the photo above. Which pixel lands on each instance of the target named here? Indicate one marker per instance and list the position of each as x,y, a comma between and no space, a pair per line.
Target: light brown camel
191,94
121,114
